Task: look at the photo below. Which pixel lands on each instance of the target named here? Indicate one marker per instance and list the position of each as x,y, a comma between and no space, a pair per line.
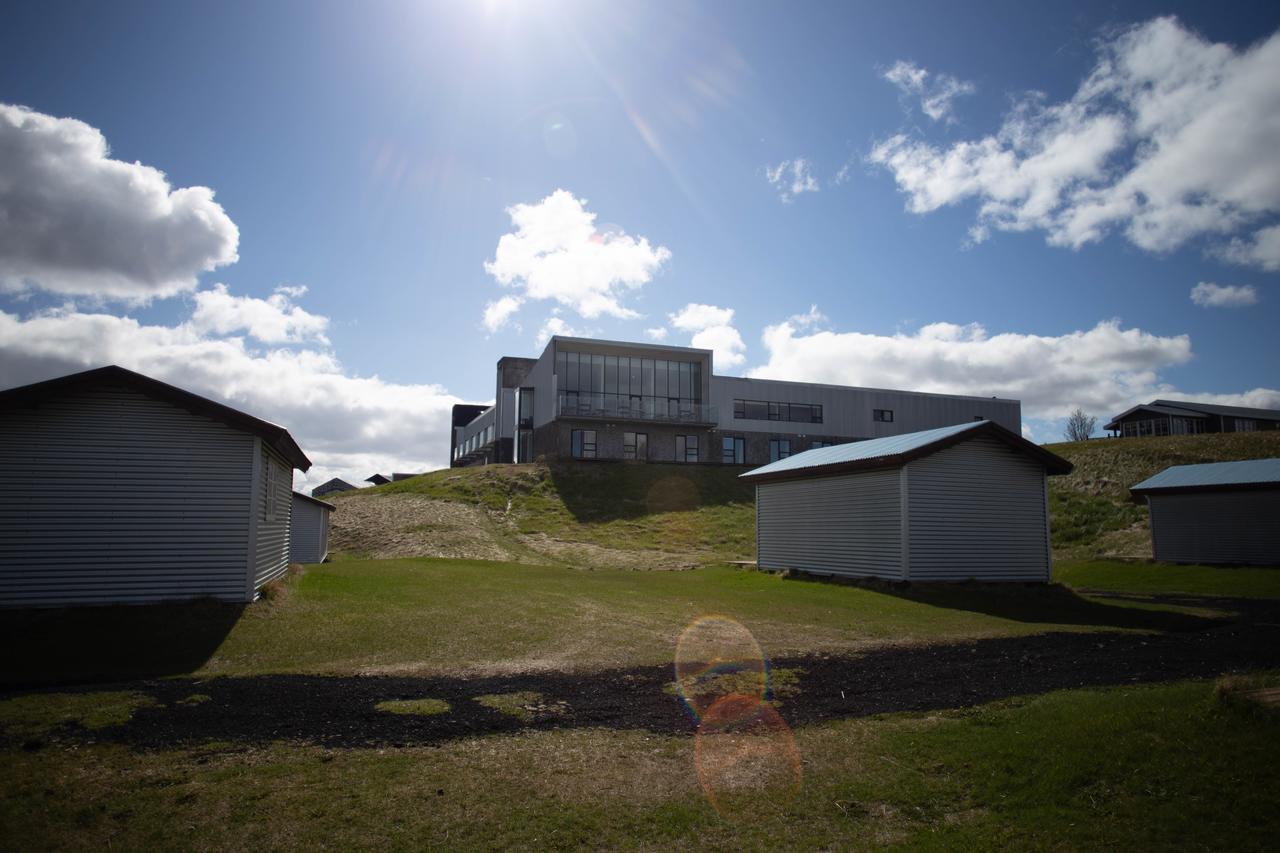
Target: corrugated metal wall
1217,527
977,510
309,532
111,496
272,541
847,525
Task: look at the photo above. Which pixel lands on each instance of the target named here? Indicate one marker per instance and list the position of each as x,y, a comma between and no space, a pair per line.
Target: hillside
674,516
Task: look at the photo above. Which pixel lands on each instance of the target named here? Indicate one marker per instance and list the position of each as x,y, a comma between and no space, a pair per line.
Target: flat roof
896,450
1213,476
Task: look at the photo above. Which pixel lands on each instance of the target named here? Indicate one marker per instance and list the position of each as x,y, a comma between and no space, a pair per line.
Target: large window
583,443
1246,425
882,415
592,384
760,410
779,448
733,450
635,445
686,448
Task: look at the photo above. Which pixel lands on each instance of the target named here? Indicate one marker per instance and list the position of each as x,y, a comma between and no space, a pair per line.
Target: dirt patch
343,711
586,554
386,526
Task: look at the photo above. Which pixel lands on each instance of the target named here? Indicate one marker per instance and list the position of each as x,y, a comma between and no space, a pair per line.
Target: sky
338,216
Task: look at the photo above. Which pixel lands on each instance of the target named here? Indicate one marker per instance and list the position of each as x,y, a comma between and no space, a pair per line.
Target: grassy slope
453,616
1146,768
706,509
1091,510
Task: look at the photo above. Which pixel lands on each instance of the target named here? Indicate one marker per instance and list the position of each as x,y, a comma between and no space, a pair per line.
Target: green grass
39,713
436,616
415,707
1090,511
1169,767
1168,578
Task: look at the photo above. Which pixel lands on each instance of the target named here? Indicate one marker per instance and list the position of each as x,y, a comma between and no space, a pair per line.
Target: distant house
377,480
119,488
1222,512
330,487
1183,417
395,478
309,529
948,504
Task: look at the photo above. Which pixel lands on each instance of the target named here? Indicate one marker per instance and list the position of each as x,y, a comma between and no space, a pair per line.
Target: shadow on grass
606,491
98,644
1040,604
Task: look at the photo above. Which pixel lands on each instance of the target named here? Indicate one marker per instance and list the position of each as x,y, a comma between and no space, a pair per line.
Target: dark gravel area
340,711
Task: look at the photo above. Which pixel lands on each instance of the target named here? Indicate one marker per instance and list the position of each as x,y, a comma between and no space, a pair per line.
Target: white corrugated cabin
118,488
957,503
309,536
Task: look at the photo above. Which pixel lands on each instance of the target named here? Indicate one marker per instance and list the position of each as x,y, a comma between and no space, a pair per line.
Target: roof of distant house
274,435
1213,476
897,450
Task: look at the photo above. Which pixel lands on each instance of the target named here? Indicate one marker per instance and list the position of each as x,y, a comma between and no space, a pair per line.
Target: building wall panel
1217,527
111,496
309,532
846,525
977,510
275,509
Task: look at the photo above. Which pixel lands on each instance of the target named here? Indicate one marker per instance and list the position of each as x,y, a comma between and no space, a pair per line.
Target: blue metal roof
1248,472
864,451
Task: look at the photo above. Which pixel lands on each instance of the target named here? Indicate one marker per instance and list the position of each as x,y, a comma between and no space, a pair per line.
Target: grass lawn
454,617
1170,578
1148,768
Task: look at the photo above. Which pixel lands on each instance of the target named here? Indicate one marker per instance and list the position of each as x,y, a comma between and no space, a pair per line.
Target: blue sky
1060,177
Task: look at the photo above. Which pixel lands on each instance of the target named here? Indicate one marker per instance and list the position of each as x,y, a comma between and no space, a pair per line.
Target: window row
635,445
475,442
759,410
619,374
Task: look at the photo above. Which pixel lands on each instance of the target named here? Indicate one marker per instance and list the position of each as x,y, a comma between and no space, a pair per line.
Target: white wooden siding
846,525
309,534
1217,527
112,496
977,510
271,544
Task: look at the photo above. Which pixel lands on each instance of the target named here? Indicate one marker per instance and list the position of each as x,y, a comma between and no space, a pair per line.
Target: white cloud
557,326
935,94
556,253
350,426
1028,433
274,320
791,178
499,311
75,221
657,333
713,330
1209,295
1105,369
1139,148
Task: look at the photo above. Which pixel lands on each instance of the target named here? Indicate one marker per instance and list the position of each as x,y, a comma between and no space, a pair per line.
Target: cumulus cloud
75,221
935,91
274,320
557,253
657,333
712,328
556,325
350,426
1139,148
1206,294
499,311
1103,369
791,178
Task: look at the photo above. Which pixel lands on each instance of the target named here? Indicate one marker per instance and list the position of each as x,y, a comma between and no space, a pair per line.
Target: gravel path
340,711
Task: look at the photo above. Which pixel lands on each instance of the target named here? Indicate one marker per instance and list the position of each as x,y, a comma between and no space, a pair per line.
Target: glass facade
761,410
628,386
1162,426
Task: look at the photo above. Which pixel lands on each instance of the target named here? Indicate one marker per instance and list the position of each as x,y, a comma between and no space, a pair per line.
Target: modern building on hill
593,399
377,480
331,487
1185,417
118,488
1220,512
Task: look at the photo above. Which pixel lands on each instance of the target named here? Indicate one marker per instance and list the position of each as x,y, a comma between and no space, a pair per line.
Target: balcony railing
625,407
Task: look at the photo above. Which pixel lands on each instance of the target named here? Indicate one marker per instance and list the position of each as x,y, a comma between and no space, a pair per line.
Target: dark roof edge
310,499
1053,463
1204,487
277,437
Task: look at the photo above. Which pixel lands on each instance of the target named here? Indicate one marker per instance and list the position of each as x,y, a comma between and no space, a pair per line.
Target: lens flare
744,753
